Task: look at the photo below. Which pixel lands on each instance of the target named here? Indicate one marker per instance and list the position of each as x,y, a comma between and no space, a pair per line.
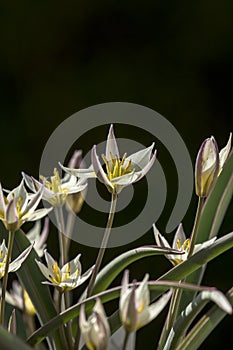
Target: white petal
15,264
154,309
204,244
2,202
141,158
11,213
160,240
36,215
142,292
45,271
179,235
145,170
34,201
98,168
223,154
3,250
49,260
74,265
86,275
34,233
81,173
126,179
74,189
111,145
29,182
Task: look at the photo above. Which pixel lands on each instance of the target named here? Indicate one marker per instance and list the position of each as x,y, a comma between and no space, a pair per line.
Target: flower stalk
103,244
5,277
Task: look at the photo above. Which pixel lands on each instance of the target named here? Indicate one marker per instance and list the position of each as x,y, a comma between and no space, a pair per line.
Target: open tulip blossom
120,172
66,278
56,189
15,264
19,206
181,243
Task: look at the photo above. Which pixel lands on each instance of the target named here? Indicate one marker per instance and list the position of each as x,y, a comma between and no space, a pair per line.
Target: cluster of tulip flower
59,325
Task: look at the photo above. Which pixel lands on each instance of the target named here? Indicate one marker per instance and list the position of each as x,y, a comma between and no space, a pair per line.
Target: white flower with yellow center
181,243
56,189
95,330
135,308
15,264
19,206
120,172
66,278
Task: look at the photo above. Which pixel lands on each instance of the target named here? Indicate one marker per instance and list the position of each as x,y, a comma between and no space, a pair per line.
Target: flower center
115,166
183,247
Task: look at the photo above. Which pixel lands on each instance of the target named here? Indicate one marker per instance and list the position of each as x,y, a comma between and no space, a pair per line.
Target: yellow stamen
141,307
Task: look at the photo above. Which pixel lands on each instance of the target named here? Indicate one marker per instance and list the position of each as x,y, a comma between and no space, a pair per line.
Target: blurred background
175,57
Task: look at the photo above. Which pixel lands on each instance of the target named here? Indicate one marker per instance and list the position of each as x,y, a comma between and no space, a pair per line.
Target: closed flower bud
207,167
95,330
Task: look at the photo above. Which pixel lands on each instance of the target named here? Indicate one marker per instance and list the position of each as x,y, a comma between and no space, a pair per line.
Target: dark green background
173,56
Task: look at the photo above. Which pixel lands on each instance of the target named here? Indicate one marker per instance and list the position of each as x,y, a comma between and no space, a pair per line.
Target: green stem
69,326
176,296
5,278
125,340
61,236
99,257
103,244
69,228
63,260
171,317
63,336
195,226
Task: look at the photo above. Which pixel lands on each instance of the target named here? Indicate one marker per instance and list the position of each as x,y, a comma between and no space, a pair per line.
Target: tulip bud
95,330
207,167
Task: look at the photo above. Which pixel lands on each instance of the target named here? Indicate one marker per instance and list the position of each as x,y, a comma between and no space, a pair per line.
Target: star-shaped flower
68,277
120,171
181,243
56,189
19,206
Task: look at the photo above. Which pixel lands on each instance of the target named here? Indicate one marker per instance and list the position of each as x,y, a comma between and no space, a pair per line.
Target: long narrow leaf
11,342
192,310
115,267
31,278
204,327
105,296
176,274
179,272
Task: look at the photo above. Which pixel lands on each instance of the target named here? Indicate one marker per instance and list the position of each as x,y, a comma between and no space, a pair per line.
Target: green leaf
180,271
116,266
31,278
204,327
105,296
9,341
191,311
176,274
